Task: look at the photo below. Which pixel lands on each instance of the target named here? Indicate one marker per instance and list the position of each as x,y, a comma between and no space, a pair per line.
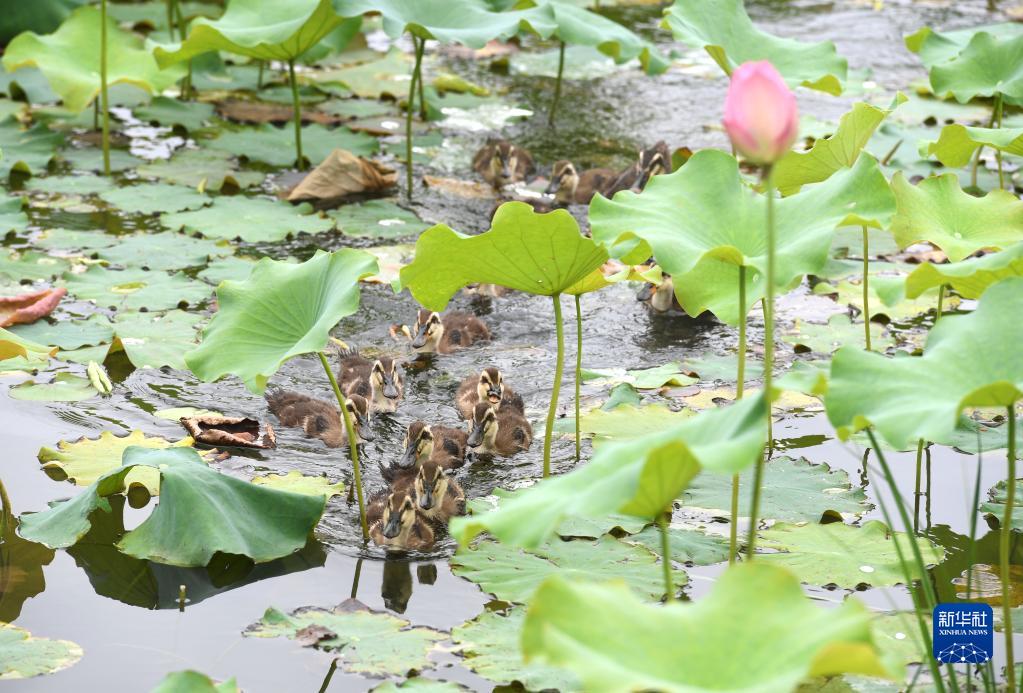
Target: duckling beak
420,339
408,458
364,431
494,395
476,437
390,389
393,526
426,500
505,171
645,293
554,185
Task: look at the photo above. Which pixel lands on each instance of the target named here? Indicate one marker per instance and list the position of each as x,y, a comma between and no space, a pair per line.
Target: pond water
124,612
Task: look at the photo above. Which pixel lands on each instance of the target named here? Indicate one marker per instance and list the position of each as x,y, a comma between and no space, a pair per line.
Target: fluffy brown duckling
320,419
381,381
442,334
488,386
501,432
570,187
398,525
652,161
438,496
442,445
501,163
661,297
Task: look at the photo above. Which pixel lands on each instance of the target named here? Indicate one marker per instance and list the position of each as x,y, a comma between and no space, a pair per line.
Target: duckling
438,497
399,526
569,186
488,386
661,297
381,382
434,333
442,445
320,419
652,161
503,432
501,163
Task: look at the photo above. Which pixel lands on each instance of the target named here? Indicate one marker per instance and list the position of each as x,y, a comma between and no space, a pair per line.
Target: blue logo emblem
963,633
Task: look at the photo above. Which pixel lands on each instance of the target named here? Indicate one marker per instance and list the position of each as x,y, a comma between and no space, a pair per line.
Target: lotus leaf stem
998,152
866,288
976,158
1003,548
259,77
6,512
330,675
104,97
416,75
662,525
941,300
420,81
556,390
971,550
355,578
916,488
578,372
740,382
297,106
353,446
182,597
170,19
557,83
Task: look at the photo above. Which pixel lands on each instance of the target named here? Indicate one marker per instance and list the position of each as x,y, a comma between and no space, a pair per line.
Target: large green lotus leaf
489,645
969,361
512,575
703,222
373,643
275,31
163,251
995,505
689,546
969,278
726,32
153,198
377,219
155,341
194,682
935,47
14,346
276,146
793,490
616,641
64,387
208,169
27,151
957,143
637,477
70,59
87,459
297,482
938,211
68,334
248,339
252,219
985,67
839,331
200,512
843,555
23,656
135,289
191,115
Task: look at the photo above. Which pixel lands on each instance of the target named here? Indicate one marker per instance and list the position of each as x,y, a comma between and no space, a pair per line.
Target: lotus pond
207,202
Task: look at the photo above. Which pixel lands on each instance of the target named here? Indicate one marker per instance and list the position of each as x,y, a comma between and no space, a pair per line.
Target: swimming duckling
569,186
652,161
381,382
442,334
320,419
501,163
438,497
488,386
661,297
399,525
440,444
503,432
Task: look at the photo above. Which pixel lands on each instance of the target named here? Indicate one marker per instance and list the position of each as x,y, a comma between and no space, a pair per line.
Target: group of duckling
501,163
422,492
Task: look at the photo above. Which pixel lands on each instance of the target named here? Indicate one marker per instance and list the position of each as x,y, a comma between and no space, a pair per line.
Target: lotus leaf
27,151
703,223
135,289
68,334
489,645
637,477
251,219
194,682
844,555
910,398
373,79
512,575
625,421
725,31
91,159
689,546
373,643
15,346
191,115
163,251
255,29
23,656
204,168
957,143
538,253
67,240
11,215
201,512
625,643
245,339
276,146
840,330
573,527
641,379
156,341
987,66
969,278
153,198
71,62
995,505
935,47
716,367
233,268
297,482
421,683
70,185
65,387
377,219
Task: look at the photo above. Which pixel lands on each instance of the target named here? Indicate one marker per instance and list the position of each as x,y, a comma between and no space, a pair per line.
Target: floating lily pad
68,334
370,642
191,115
388,76
421,683
71,185
994,507
22,266
624,421
12,216
793,489
194,682
276,146
297,482
233,268
721,367
572,527
15,346
65,387
512,574
206,168
134,289
377,219
23,656
163,251
27,151
689,546
641,379
152,198
844,555
155,341
251,219
91,159
840,330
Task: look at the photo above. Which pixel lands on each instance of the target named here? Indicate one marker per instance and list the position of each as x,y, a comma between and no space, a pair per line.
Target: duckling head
431,485
418,445
491,386
387,378
399,515
482,425
652,163
358,409
564,180
661,295
428,330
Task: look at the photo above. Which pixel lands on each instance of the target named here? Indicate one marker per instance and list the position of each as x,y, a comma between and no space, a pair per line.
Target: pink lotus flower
761,116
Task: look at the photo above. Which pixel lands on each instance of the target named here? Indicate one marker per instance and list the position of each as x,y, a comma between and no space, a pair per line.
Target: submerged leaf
23,656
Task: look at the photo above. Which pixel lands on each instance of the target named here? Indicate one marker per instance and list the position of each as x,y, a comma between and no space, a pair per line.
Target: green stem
330,674
866,288
355,578
669,586
976,158
259,77
408,117
941,300
353,443
1003,549
578,372
6,512
740,383
170,19
758,472
297,106
104,97
557,84
556,390
420,82
998,152
916,489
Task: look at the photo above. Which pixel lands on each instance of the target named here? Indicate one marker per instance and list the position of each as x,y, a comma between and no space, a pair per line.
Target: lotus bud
761,116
